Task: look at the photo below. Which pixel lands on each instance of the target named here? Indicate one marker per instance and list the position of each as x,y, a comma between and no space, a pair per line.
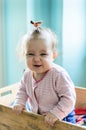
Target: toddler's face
39,55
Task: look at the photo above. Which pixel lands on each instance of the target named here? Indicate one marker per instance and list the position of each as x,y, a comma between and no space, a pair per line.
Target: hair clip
36,24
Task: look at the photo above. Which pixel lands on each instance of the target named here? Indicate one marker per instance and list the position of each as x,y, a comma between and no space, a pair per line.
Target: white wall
74,40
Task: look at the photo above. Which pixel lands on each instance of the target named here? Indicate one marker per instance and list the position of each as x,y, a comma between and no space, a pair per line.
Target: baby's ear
55,54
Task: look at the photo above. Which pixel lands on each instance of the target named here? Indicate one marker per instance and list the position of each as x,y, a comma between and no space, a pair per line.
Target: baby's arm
65,90
21,97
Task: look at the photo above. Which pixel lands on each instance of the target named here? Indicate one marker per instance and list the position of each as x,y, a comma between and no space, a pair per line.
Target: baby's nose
37,58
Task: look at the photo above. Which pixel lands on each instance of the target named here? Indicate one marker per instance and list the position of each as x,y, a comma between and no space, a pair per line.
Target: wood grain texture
29,121
80,97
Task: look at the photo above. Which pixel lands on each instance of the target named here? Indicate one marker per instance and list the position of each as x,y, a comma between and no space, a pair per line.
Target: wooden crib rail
29,121
80,97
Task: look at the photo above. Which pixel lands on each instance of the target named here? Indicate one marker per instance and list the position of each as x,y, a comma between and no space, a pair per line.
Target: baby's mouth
37,65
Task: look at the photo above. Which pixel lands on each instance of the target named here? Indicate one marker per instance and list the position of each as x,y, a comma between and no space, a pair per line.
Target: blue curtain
15,26
67,18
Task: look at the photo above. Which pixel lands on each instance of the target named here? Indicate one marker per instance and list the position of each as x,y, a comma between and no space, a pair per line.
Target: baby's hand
18,108
50,118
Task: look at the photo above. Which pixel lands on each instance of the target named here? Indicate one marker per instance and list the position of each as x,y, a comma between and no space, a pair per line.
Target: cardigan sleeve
22,96
67,97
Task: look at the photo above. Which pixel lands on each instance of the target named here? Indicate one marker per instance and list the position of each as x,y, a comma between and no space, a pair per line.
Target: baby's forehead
41,41
39,45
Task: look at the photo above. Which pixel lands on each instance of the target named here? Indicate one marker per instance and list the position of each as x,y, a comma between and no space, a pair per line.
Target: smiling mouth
37,65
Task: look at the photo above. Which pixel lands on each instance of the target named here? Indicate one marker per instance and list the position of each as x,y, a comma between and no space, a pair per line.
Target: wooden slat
29,121
80,97
7,94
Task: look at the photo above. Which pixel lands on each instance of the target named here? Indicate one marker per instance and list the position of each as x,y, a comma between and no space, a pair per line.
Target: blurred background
67,18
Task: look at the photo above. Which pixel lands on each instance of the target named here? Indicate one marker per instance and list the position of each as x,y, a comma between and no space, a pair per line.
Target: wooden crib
30,121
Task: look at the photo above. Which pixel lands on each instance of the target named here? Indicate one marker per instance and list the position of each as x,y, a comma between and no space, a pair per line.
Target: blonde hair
36,33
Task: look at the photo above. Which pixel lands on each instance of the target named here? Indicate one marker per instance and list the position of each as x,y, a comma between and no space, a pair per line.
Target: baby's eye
30,54
43,54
